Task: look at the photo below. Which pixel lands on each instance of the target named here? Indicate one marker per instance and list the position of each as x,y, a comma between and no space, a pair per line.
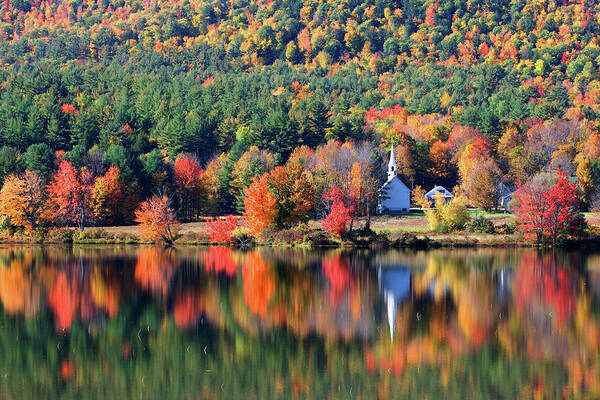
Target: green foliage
9,161
39,158
481,224
139,80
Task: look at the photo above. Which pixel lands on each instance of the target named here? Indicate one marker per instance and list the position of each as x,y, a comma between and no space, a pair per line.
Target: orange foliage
21,199
154,269
157,220
260,207
63,299
259,283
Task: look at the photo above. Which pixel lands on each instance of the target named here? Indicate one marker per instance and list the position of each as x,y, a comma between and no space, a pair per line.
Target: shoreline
317,239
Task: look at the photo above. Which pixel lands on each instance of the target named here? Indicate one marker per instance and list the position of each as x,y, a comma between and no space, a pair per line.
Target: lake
148,323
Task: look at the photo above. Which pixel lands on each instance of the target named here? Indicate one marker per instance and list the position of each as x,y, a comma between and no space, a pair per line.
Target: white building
394,195
438,192
394,284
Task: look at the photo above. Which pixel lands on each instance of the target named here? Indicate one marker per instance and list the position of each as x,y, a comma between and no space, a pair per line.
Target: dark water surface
147,323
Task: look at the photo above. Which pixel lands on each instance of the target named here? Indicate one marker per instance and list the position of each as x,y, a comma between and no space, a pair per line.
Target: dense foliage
202,96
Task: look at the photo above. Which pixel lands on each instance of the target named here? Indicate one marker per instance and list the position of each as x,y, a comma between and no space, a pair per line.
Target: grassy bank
386,231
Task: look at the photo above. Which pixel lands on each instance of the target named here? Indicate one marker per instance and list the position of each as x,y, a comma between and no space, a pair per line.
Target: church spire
392,169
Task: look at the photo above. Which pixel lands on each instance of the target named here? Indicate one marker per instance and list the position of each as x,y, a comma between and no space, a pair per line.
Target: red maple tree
546,213
336,222
71,192
190,184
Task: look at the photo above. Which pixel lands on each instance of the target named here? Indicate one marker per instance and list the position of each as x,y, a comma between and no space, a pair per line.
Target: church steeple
392,169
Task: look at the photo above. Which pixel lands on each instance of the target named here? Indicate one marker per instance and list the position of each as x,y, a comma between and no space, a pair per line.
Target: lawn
415,222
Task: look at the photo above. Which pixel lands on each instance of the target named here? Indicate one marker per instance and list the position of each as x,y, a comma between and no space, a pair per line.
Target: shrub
242,238
507,229
481,224
288,236
318,238
5,225
448,217
220,230
60,235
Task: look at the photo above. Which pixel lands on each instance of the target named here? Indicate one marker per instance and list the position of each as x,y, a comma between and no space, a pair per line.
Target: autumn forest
123,100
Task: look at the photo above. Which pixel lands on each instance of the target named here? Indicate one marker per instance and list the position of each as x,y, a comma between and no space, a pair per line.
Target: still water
148,323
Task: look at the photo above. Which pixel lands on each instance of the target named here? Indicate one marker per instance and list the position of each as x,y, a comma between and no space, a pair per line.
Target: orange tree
157,220
21,199
280,198
260,207
292,188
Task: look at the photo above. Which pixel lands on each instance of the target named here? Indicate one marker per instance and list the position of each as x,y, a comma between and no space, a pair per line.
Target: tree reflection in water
267,323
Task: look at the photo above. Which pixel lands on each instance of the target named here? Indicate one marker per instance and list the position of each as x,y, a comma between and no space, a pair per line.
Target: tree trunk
367,227
81,219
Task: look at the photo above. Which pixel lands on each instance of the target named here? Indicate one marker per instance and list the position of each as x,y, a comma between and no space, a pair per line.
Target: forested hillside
506,89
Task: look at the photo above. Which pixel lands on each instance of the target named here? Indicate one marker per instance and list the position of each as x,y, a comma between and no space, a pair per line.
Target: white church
394,195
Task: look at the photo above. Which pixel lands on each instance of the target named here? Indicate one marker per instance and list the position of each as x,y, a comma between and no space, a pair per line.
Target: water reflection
131,322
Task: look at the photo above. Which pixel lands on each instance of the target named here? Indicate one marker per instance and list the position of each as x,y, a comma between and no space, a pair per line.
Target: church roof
439,191
391,179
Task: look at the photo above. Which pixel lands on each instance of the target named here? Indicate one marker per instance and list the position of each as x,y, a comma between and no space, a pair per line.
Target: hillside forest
118,100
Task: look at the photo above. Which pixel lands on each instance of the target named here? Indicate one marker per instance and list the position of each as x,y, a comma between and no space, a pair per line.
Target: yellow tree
21,199
585,175
107,195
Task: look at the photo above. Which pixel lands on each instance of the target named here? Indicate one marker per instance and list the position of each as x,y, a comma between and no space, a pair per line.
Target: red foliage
191,182
540,282
66,369
187,172
337,220
71,192
547,212
220,259
337,271
187,309
63,299
127,130
68,109
220,230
